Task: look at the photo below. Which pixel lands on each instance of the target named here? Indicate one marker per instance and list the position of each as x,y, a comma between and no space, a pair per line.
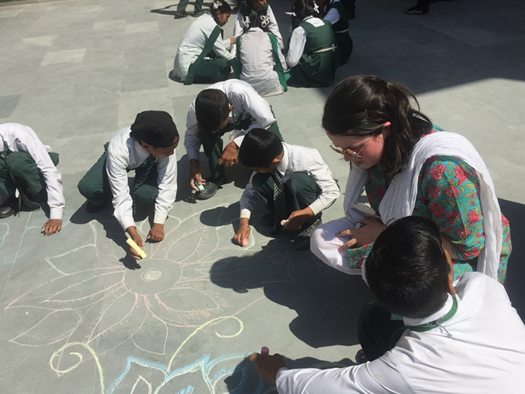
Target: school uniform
192,62
336,15
249,111
155,179
27,164
260,62
307,181
311,55
479,349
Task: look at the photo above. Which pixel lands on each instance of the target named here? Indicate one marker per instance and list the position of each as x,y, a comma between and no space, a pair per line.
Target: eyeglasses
351,153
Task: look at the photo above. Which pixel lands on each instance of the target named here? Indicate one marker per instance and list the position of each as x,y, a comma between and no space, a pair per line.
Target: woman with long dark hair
407,166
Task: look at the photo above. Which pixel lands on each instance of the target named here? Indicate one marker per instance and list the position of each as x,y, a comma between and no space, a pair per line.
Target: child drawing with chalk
28,176
148,147
231,105
293,181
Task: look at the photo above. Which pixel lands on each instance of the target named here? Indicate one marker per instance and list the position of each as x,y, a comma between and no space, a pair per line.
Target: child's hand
132,231
156,234
229,155
268,366
242,235
52,226
195,174
297,218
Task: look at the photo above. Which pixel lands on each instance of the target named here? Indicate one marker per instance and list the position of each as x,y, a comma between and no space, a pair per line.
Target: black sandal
417,10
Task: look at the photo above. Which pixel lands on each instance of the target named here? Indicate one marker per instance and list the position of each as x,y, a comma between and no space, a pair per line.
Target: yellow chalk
136,248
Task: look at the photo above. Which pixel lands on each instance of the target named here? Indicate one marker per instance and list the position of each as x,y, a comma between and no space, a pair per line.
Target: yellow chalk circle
136,248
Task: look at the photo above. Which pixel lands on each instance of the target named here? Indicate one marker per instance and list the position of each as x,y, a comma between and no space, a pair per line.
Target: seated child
202,56
148,147
225,106
260,61
264,13
334,12
445,324
28,165
293,181
311,55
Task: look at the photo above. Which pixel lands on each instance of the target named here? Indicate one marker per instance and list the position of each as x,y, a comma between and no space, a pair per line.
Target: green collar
436,323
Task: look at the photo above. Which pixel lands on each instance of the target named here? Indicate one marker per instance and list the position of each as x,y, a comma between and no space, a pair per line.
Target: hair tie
247,21
265,21
216,5
316,7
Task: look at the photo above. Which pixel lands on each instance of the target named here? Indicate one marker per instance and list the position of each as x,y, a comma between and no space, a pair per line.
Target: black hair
407,268
361,105
155,128
222,6
258,149
211,108
302,9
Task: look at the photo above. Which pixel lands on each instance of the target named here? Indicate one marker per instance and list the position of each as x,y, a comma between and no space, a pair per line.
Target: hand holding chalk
245,242
284,223
136,248
198,186
265,351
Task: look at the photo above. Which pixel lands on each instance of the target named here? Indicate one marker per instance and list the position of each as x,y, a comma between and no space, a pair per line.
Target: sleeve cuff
160,217
193,154
316,207
245,213
56,213
127,222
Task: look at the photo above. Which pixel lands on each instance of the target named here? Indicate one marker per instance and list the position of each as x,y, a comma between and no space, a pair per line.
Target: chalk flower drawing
105,304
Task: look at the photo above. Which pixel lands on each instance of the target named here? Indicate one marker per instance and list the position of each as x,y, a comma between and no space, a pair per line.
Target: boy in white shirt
28,165
148,147
293,181
462,337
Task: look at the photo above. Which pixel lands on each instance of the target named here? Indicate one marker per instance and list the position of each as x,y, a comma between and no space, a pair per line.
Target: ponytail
302,9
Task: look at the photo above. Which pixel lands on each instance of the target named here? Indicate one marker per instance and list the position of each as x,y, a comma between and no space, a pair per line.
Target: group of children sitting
319,43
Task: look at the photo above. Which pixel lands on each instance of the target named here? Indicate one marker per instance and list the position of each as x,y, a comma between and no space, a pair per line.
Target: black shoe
5,212
93,208
210,189
198,13
302,241
179,15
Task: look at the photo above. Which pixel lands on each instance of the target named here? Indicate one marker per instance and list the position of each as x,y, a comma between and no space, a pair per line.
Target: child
28,165
148,147
334,12
311,55
293,181
202,56
264,13
260,61
225,106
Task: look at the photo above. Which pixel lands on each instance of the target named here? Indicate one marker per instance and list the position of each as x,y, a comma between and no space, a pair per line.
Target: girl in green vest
333,11
202,56
311,54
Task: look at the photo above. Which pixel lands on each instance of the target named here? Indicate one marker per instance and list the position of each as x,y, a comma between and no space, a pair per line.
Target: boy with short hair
293,181
454,337
148,147
28,165
222,107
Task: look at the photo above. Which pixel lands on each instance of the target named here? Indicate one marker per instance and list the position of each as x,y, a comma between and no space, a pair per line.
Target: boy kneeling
293,181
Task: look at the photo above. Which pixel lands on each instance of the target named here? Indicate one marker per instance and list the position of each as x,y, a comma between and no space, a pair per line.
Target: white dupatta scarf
400,198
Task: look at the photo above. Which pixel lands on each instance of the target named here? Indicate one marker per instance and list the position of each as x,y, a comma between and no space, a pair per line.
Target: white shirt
257,60
332,15
20,138
481,349
124,154
192,44
245,100
298,41
298,159
273,27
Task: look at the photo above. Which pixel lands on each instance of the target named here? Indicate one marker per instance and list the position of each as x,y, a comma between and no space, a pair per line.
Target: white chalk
284,222
198,186
265,351
244,242
136,248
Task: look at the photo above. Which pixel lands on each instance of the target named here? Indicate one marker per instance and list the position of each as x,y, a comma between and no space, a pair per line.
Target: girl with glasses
407,166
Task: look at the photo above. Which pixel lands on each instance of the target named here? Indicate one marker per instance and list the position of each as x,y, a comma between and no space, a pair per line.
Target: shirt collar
442,312
283,165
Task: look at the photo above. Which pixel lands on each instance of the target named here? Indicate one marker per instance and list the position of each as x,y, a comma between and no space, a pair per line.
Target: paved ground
75,319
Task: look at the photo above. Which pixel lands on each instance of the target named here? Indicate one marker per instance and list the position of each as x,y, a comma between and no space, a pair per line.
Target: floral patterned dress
448,194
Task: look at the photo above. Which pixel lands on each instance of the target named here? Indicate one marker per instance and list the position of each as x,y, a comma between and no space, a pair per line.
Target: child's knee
300,182
19,163
145,194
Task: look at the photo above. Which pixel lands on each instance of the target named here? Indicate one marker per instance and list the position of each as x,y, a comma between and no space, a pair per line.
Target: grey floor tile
8,105
144,80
